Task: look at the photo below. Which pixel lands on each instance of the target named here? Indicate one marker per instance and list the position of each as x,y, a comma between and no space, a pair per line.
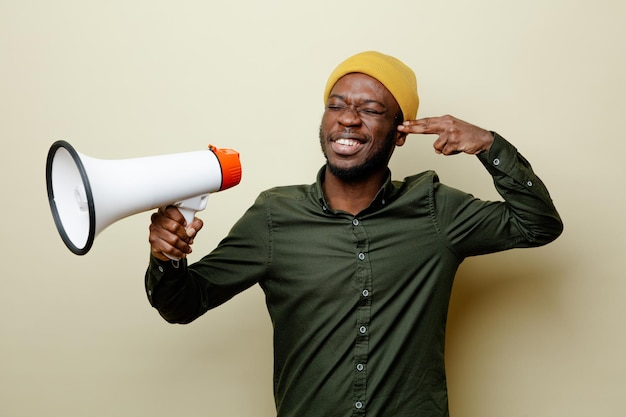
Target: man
357,269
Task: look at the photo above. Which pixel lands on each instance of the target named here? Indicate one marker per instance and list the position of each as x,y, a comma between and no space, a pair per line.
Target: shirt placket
363,317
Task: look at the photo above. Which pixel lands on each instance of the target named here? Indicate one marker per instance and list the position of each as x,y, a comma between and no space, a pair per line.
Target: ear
400,138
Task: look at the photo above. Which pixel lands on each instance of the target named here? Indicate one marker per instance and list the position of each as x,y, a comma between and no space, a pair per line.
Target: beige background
539,332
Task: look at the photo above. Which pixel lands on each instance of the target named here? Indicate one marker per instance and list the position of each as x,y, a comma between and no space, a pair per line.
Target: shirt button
360,367
529,183
160,268
365,293
355,222
361,256
358,405
496,162
362,329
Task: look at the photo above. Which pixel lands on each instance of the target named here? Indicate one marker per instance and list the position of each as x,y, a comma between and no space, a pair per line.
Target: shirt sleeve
183,292
526,218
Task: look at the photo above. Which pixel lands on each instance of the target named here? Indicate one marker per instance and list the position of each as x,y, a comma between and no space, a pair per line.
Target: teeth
347,142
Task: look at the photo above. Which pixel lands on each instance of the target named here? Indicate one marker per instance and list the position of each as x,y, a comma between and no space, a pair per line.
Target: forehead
358,86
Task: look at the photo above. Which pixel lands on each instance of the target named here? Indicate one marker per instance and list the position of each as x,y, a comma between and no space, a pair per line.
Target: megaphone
86,194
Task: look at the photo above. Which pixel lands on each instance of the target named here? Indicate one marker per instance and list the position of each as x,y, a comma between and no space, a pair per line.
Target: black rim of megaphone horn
55,213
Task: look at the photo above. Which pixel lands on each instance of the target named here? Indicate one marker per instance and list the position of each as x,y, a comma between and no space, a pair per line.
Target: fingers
173,213
169,237
443,146
429,125
425,126
455,135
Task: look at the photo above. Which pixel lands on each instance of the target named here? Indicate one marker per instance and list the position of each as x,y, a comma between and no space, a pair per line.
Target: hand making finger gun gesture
455,136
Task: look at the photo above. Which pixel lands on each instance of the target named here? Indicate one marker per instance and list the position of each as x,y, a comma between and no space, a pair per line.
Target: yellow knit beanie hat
398,78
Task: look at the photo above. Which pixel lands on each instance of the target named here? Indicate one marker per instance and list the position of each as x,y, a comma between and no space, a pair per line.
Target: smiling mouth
346,146
347,142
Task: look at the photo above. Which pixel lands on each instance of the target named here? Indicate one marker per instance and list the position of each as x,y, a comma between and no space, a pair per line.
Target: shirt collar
383,197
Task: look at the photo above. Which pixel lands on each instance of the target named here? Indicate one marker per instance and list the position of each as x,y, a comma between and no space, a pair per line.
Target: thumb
194,227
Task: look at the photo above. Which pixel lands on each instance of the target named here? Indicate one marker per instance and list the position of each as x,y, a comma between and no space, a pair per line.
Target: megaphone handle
188,214
188,208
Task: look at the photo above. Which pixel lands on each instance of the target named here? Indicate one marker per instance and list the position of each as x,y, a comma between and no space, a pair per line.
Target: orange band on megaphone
230,166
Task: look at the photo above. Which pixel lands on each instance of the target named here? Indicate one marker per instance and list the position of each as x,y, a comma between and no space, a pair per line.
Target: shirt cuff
163,272
503,160
501,156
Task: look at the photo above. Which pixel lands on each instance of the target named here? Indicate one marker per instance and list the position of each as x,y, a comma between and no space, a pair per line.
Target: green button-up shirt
359,303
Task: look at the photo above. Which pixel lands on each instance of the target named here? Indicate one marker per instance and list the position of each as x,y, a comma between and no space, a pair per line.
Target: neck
352,196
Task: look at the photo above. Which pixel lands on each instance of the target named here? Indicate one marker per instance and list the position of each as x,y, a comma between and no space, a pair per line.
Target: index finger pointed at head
425,125
431,124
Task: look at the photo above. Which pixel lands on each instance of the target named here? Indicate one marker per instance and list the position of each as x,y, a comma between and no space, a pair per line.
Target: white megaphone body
87,194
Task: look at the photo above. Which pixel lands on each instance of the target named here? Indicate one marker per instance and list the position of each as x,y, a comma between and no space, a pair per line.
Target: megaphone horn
86,194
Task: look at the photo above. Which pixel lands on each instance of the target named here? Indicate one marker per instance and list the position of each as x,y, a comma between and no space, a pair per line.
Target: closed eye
371,111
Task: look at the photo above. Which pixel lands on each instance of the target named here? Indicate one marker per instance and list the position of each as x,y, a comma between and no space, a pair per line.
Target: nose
349,116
